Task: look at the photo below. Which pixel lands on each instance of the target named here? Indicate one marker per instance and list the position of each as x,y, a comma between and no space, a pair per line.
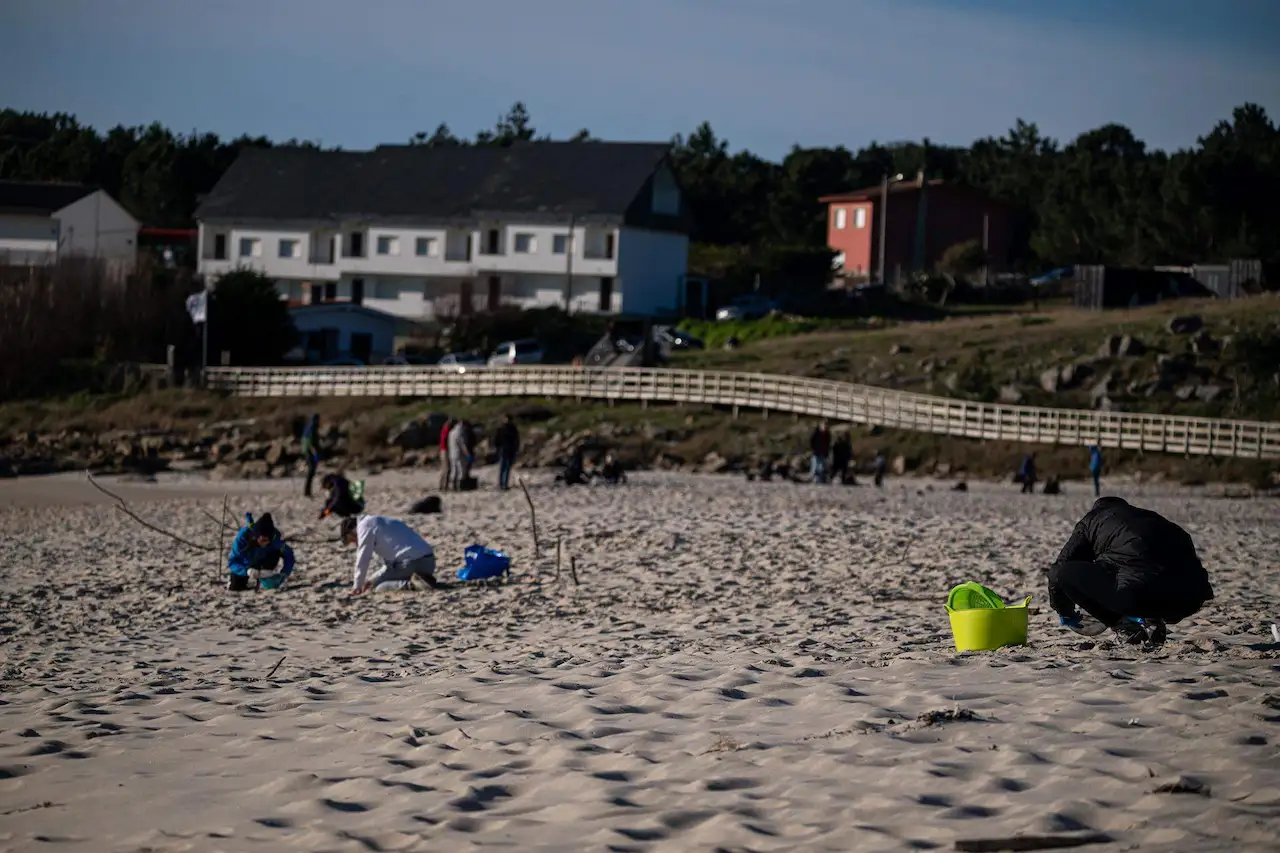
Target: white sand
743,668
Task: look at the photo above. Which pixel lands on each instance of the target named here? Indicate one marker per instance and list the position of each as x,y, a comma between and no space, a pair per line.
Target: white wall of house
651,266
97,226
27,239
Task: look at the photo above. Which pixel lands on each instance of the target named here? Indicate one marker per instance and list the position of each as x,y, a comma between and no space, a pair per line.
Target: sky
767,74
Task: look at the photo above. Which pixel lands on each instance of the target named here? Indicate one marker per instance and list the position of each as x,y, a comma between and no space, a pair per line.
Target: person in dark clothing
507,442
1131,569
611,471
311,451
841,456
258,547
1095,469
879,466
575,471
1027,474
820,446
341,502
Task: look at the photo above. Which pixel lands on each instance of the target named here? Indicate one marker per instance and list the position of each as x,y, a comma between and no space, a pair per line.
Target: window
362,346
355,245
560,244
610,241
386,290
388,245
526,244
606,294
357,291
317,294
493,242
841,215
220,247
860,217
250,247
330,291
288,249
426,247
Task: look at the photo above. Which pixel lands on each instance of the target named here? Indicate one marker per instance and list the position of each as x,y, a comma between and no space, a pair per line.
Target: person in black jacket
841,456
507,442
1131,569
340,501
820,444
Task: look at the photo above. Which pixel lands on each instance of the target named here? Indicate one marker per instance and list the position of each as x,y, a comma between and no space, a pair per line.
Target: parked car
403,360
527,351
343,361
673,338
459,361
750,307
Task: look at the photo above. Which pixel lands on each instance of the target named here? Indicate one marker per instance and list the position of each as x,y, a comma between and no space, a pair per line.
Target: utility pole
986,247
568,268
884,218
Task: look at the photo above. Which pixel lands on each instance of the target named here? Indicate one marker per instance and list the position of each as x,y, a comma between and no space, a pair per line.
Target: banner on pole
198,306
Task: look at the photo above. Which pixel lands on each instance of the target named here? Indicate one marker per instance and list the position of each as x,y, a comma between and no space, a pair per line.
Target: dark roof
40,198
416,183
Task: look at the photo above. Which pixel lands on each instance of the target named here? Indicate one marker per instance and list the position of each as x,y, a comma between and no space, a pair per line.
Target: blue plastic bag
483,563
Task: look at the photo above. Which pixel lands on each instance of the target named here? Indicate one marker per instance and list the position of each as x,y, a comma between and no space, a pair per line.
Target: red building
925,218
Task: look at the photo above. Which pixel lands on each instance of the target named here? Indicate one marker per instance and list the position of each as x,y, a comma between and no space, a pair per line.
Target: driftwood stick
573,568
533,517
274,668
557,559
124,507
1030,842
222,534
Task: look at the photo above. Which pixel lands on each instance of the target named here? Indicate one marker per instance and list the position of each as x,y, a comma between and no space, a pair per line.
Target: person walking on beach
1027,474
446,464
1095,469
878,468
408,559
820,446
311,451
507,442
841,456
1132,570
258,547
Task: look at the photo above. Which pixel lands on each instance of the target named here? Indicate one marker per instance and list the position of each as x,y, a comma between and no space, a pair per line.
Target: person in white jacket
409,559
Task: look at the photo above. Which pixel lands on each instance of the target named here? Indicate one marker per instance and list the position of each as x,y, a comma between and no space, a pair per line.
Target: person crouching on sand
340,501
409,559
1131,569
258,547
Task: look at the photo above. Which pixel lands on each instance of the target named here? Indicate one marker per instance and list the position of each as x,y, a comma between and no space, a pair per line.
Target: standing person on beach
258,547
507,442
1132,570
446,464
1027,474
1095,469
409,560
879,466
820,446
841,456
459,453
311,451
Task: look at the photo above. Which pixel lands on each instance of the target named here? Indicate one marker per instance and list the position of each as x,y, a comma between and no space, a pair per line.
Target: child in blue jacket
258,547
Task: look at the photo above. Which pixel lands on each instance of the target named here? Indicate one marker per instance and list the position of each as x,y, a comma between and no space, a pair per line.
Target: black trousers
312,462
1096,589
239,583
1028,487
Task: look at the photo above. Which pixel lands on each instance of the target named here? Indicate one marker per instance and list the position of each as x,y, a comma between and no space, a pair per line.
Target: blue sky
765,73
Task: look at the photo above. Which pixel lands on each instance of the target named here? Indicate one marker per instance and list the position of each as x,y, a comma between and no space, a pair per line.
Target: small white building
41,223
340,329
427,233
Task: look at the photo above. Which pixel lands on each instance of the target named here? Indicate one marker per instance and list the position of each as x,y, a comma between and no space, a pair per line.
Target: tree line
1104,197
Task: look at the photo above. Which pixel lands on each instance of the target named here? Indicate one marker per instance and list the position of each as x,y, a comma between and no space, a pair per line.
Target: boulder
714,463
1204,344
414,435
1208,393
1010,394
1186,325
1121,346
899,349
899,465
1049,379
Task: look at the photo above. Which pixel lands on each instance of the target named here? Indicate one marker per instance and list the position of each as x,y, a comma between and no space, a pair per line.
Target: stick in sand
273,669
557,559
533,516
222,535
124,507
573,568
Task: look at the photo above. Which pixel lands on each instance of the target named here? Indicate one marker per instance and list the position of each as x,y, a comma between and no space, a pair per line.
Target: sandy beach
743,667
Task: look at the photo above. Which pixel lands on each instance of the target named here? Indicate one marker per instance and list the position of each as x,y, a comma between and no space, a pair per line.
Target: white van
507,353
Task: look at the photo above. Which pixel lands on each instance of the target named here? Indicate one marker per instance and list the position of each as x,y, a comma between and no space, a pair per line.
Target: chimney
920,178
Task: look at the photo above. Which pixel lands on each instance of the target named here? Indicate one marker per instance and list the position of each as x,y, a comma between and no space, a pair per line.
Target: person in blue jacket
259,547
1095,469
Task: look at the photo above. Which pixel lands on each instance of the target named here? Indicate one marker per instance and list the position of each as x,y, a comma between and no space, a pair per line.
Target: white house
332,330
42,222
424,232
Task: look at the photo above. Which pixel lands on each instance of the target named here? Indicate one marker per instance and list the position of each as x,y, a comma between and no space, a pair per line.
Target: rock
1050,378
714,463
1208,393
255,469
899,465
277,455
942,469
1011,394
1187,325
531,413
225,471
951,381
1121,346
899,349
1100,390
1204,344
413,435
732,343
1185,392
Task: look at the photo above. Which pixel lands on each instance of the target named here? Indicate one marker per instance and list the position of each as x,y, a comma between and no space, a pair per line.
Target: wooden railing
835,401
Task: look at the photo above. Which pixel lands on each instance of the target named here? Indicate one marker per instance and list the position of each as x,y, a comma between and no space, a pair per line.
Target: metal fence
835,401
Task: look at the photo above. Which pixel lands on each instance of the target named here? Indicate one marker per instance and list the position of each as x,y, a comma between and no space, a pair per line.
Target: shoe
1157,633
1072,622
1129,632
423,582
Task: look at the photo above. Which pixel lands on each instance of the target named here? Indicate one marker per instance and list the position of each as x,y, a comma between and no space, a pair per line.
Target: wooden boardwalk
835,401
